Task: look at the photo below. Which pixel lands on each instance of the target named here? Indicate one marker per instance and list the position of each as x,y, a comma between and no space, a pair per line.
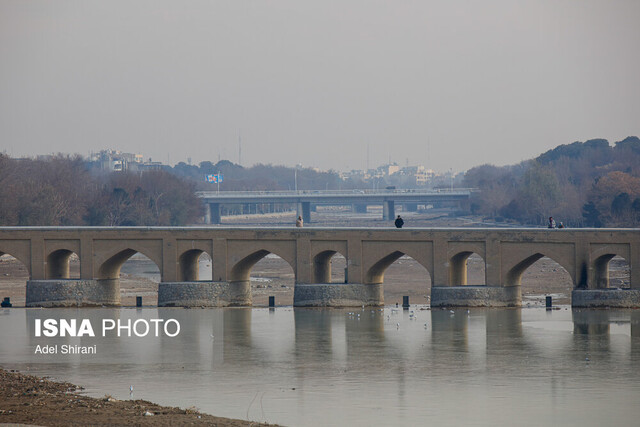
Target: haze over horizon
449,85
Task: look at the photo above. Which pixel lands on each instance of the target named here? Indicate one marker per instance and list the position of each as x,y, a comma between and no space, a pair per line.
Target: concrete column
303,209
306,212
207,213
388,210
214,213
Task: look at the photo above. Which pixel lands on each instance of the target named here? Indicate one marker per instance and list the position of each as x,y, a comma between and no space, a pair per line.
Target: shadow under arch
459,268
188,265
58,265
322,271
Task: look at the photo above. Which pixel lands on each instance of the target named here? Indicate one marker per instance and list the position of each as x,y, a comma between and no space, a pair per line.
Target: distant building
116,161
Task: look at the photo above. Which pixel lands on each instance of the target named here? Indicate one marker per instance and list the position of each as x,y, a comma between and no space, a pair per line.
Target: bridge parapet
443,252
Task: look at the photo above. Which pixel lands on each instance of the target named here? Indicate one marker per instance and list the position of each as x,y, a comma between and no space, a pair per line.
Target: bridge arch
58,262
110,268
188,265
322,266
514,274
375,273
23,269
459,266
18,249
241,270
600,268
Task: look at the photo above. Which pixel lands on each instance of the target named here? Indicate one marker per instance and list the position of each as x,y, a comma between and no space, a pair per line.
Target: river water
320,367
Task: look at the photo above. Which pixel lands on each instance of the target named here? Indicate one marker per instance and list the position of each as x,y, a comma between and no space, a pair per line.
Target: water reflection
357,367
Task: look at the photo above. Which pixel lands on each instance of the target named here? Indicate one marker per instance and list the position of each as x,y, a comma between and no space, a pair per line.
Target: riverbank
26,399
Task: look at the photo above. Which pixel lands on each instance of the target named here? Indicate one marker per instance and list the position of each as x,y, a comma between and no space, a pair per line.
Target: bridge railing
455,191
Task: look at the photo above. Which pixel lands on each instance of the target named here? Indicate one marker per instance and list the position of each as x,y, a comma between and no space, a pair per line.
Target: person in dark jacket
399,222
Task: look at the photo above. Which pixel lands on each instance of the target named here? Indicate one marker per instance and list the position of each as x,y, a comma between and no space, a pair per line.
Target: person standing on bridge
299,222
552,223
399,222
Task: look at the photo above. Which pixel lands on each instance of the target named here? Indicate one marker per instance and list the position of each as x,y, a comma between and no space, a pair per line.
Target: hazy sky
447,84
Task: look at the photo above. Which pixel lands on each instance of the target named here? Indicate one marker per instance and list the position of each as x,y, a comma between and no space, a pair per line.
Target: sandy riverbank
29,400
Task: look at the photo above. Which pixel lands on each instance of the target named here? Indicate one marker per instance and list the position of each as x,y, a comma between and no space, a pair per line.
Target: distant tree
538,194
621,204
591,215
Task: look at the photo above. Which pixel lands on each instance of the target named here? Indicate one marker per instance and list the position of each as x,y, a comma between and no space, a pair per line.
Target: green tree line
583,184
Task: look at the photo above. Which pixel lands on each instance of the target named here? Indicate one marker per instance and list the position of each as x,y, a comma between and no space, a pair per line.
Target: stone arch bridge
507,253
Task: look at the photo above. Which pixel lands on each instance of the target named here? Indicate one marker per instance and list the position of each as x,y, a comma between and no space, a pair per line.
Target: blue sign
215,178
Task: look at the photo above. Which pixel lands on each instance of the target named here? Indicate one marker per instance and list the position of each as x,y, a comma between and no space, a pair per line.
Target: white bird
130,389
451,311
212,337
397,325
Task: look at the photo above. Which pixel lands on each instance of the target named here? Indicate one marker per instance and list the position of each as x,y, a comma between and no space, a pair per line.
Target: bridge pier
204,294
388,210
605,298
476,296
338,295
215,213
303,209
73,292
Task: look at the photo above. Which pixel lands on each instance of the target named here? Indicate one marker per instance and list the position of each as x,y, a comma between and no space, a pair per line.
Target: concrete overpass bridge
507,253
305,200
